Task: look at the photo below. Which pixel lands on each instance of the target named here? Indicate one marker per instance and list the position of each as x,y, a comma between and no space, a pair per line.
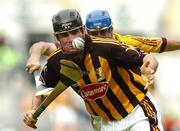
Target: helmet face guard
98,20
66,20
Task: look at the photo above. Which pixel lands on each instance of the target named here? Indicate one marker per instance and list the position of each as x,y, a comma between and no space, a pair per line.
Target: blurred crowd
67,112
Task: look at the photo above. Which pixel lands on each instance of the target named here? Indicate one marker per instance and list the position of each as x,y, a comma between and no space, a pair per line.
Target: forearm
172,45
41,48
37,100
28,117
35,52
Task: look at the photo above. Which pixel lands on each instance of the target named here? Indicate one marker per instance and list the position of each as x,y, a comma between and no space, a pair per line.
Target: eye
102,32
93,33
74,32
63,34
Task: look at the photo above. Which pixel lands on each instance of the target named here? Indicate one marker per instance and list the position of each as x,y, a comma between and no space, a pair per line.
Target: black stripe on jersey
94,112
75,87
105,41
54,53
95,61
85,74
137,84
84,71
124,87
106,110
115,102
150,112
66,81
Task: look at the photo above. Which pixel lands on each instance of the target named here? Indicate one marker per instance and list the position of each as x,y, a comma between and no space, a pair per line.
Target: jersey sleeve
152,44
50,74
127,57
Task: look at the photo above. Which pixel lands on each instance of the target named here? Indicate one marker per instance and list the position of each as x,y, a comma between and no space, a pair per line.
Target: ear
56,35
83,29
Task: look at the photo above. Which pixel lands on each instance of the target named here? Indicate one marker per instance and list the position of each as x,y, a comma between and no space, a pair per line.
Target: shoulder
53,59
55,54
92,43
104,41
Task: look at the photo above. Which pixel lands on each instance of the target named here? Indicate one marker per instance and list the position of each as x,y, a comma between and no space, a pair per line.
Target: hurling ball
78,43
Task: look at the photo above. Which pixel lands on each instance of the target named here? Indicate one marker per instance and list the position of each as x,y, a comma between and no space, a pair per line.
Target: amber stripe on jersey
89,108
109,102
95,103
136,88
90,69
105,40
100,109
126,90
150,112
121,97
137,80
112,41
115,93
52,54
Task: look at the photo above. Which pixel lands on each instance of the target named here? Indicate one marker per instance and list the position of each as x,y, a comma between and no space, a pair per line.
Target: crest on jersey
100,74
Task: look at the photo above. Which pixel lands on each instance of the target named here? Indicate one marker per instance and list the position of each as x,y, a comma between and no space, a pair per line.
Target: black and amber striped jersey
108,86
152,44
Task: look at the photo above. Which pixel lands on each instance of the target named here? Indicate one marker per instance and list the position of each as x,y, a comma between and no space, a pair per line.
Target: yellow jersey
146,44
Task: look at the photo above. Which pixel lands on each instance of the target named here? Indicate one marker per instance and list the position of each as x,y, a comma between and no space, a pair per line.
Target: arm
38,99
132,59
35,52
172,45
153,44
71,74
28,117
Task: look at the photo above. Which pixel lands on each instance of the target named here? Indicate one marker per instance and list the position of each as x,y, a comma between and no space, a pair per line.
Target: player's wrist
33,109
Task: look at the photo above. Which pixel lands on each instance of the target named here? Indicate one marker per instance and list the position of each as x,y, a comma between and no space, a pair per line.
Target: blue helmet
98,20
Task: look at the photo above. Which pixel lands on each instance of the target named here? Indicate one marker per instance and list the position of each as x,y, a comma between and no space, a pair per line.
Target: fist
29,120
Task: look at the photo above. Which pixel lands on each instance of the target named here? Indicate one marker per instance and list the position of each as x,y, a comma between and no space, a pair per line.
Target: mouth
70,48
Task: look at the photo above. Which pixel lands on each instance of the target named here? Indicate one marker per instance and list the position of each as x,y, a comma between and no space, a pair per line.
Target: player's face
101,33
66,39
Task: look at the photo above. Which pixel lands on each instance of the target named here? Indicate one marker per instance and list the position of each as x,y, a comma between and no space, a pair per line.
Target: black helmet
66,20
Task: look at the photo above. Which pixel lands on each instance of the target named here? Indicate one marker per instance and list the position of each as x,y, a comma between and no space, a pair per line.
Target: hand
32,66
29,120
147,74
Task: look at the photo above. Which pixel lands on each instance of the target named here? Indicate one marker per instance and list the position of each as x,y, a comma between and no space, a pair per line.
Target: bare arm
172,45
35,52
28,117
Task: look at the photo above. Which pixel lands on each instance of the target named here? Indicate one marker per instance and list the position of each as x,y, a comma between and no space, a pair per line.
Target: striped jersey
108,86
146,44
